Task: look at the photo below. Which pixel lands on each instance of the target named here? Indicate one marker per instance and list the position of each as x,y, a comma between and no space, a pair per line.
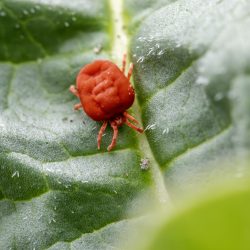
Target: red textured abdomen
104,90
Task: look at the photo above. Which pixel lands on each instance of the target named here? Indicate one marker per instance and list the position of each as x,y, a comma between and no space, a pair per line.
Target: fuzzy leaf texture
191,76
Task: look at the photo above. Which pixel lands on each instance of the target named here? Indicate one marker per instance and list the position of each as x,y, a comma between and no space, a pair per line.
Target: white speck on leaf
150,51
16,173
52,220
201,80
161,52
25,12
150,127
39,60
165,131
144,164
98,49
218,97
178,45
140,59
140,38
2,13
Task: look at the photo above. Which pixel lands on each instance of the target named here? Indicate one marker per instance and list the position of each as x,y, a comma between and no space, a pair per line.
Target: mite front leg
140,130
115,135
130,117
124,60
77,106
130,71
73,90
101,131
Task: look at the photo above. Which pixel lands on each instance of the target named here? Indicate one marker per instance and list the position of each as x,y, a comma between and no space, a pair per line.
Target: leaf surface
192,75
56,188
192,80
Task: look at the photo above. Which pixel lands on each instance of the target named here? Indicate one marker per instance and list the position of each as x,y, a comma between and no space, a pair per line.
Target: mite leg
73,90
77,106
101,131
124,60
140,130
115,135
130,117
130,71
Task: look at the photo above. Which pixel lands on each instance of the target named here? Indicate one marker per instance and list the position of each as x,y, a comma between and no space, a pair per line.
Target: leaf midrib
119,47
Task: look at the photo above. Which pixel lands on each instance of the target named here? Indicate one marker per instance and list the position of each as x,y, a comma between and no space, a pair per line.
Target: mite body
105,94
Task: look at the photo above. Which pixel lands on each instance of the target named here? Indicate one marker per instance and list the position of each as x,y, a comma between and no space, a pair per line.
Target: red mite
105,94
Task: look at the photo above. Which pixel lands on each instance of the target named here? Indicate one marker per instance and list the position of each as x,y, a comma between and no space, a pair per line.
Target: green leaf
136,11
191,75
221,221
56,188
